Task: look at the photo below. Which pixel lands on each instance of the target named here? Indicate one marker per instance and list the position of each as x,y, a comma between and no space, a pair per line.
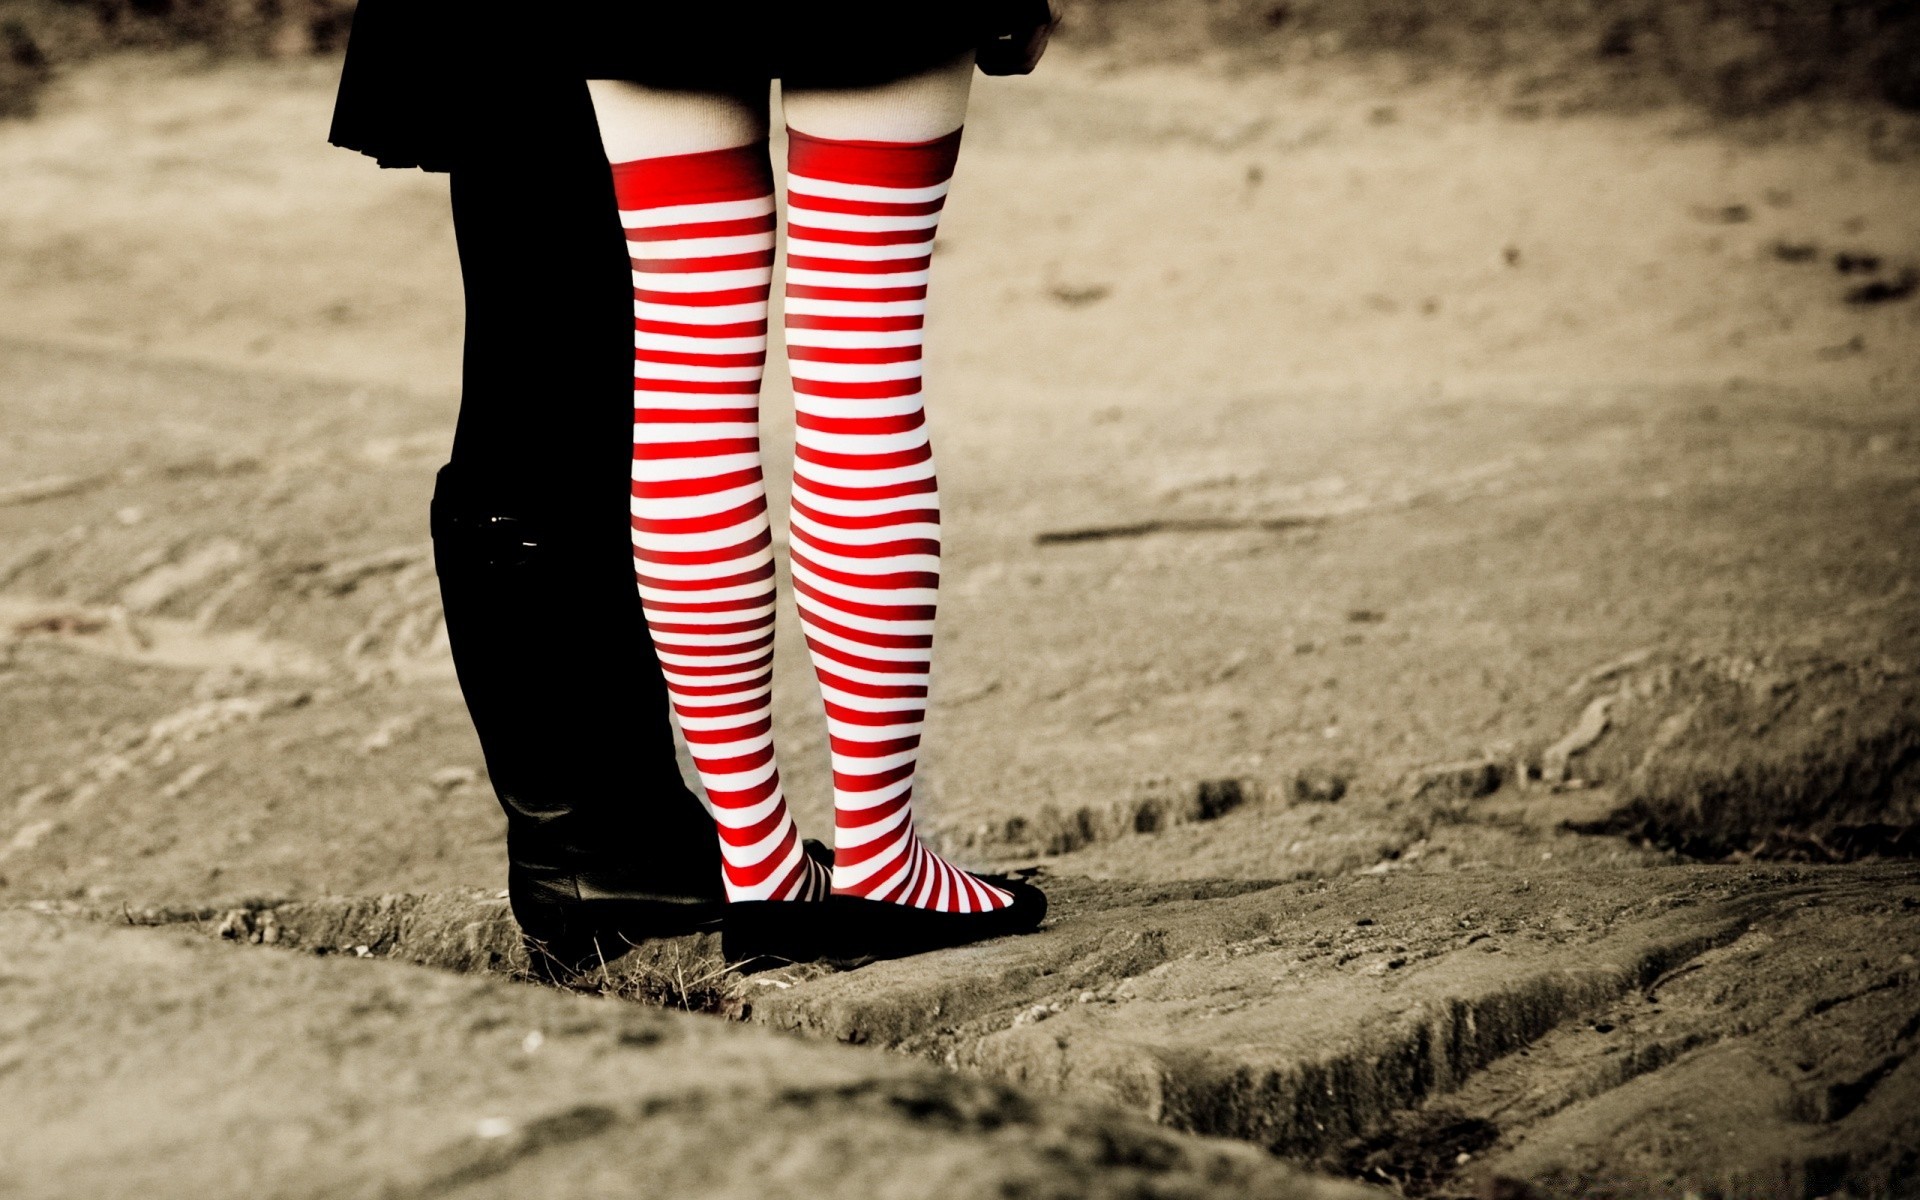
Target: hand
1018,52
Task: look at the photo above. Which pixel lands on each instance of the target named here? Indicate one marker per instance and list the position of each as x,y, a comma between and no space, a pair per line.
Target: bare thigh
918,108
637,121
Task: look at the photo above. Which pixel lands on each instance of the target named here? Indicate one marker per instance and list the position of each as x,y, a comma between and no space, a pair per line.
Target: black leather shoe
573,919
555,901
849,930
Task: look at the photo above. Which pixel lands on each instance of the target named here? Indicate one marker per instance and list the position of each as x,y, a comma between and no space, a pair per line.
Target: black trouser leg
530,522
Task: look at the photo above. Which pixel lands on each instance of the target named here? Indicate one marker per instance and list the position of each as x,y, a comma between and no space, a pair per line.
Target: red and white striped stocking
700,234
866,511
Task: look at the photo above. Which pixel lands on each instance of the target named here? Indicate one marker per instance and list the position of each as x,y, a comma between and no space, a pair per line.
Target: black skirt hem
429,84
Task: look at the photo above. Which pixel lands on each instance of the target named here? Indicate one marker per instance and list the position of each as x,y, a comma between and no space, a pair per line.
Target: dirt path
1594,1032
245,1076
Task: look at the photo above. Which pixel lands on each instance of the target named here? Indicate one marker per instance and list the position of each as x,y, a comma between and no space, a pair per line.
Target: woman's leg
695,192
529,535
867,174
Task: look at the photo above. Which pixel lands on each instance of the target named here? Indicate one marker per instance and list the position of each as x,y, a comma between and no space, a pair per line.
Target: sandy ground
1345,480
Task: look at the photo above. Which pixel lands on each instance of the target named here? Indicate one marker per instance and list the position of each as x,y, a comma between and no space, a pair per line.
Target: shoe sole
845,931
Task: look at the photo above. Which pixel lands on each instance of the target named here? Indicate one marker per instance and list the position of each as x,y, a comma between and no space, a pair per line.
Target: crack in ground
1051,831
1387,1089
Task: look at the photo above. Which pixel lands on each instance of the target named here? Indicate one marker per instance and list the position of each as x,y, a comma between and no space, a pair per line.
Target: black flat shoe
759,921
849,930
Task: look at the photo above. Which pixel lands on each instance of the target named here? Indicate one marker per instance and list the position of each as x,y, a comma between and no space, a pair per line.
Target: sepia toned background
1433,497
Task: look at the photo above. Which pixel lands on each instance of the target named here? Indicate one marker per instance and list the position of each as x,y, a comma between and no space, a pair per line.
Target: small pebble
448,778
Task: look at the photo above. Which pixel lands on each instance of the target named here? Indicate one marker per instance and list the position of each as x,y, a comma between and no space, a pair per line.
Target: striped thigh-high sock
700,233
866,509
